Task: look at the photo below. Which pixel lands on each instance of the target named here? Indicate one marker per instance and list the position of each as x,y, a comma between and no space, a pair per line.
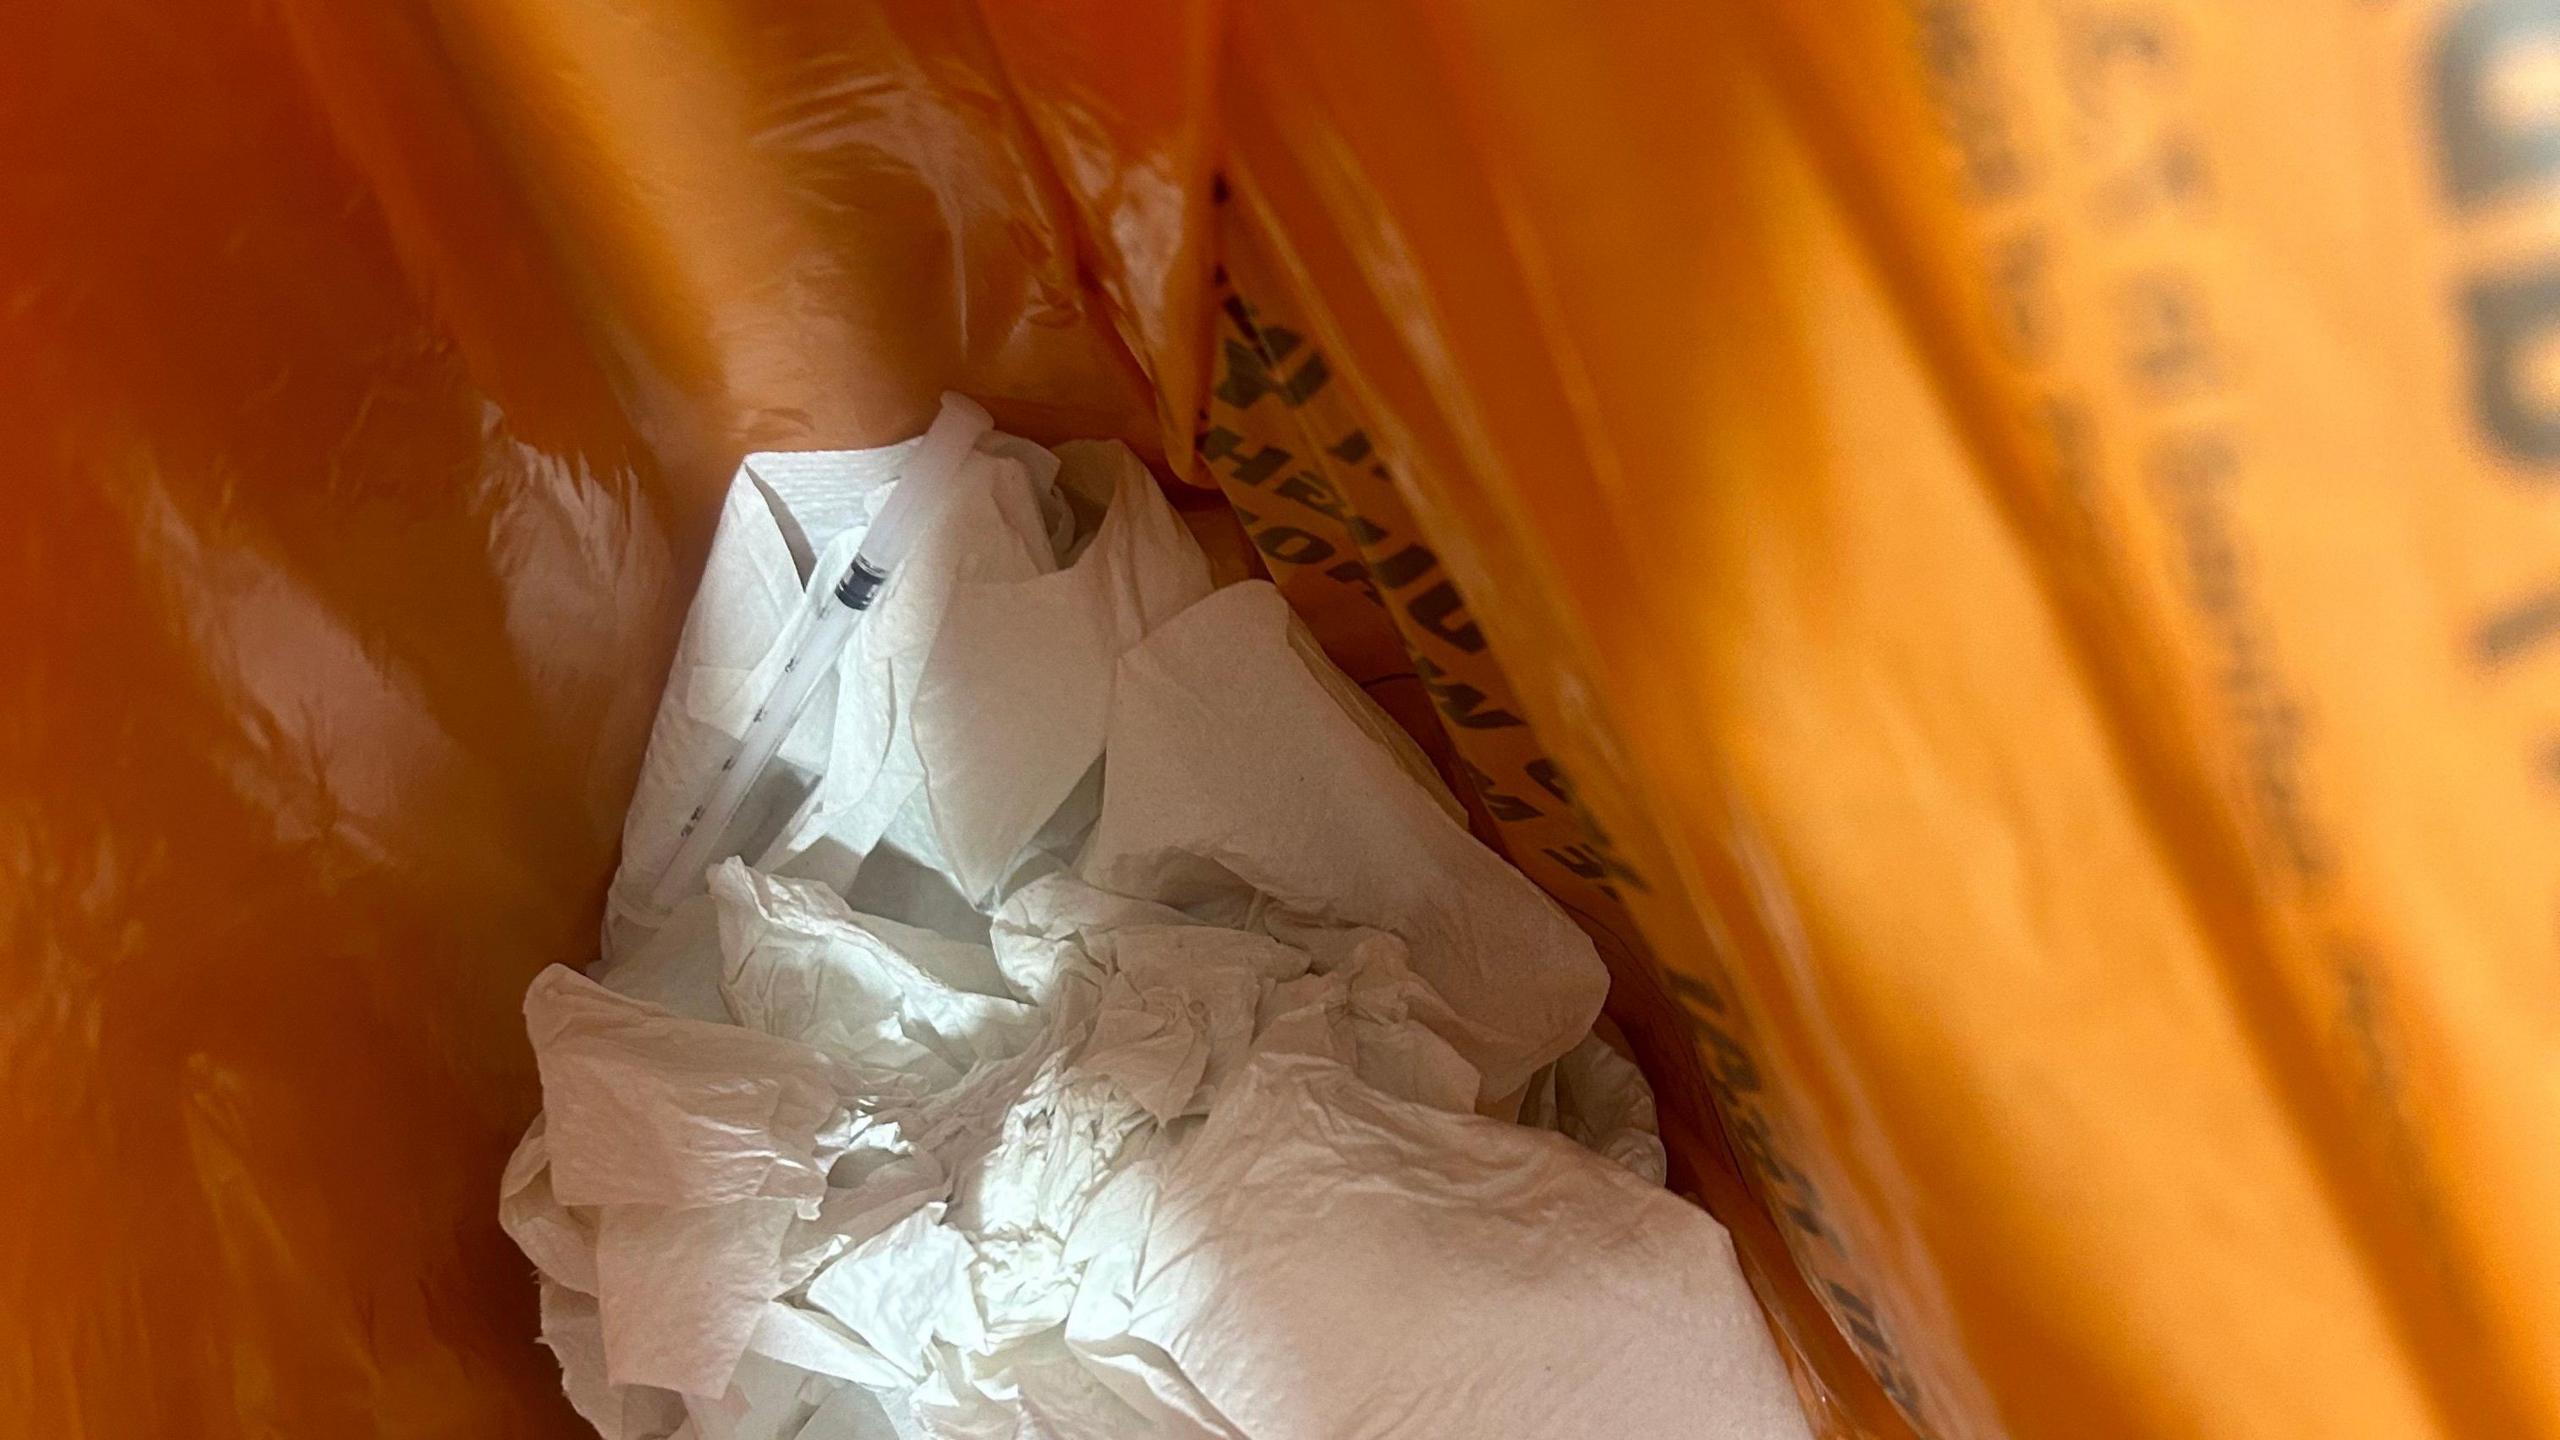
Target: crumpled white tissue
1235,779
892,997
1327,1262
918,742
693,1147
1598,1098
644,1107
1017,693
905,1288
1090,1037
1178,1013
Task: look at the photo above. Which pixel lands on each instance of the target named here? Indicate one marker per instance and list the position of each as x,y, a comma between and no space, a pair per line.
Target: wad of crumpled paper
1103,1027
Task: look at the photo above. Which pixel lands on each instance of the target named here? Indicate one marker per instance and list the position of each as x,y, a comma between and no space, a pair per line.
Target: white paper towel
1095,1040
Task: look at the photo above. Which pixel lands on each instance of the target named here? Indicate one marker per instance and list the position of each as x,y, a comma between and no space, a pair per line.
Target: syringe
915,496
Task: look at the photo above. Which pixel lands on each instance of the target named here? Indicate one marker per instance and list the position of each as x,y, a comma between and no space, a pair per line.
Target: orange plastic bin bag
2013,516
1994,552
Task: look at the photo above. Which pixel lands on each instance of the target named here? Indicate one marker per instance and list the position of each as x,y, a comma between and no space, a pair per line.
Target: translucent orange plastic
2007,567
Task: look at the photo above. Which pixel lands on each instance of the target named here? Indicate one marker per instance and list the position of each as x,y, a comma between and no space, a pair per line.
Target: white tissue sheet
1503,1284
1234,776
1092,1035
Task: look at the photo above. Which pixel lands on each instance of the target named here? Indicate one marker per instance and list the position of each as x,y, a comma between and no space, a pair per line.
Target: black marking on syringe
859,585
